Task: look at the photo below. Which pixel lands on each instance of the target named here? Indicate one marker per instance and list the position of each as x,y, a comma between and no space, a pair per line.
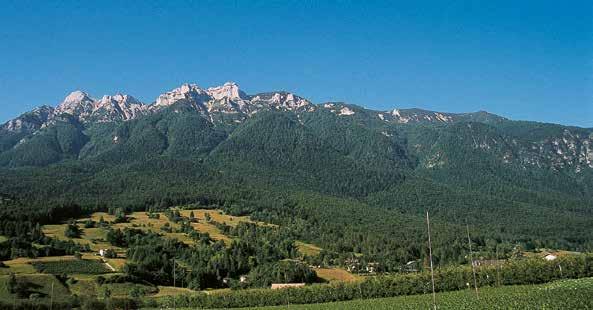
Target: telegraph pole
434,296
51,303
469,240
174,283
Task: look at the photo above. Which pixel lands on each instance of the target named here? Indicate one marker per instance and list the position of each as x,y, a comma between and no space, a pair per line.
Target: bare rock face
228,99
190,93
77,103
229,90
30,121
281,101
118,107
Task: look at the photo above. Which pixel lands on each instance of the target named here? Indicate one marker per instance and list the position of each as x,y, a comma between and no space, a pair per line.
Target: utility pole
434,296
471,258
497,268
51,303
174,273
174,283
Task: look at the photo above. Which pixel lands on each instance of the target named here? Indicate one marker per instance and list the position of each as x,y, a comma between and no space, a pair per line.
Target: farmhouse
550,257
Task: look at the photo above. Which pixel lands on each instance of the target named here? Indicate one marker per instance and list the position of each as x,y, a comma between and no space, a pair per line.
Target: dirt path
108,265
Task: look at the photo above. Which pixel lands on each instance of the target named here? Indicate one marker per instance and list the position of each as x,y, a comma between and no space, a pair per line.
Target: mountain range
525,143
331,171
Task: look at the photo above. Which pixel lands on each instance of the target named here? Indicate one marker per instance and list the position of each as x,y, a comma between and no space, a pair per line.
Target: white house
550,257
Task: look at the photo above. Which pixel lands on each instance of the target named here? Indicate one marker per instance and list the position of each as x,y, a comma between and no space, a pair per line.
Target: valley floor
564,294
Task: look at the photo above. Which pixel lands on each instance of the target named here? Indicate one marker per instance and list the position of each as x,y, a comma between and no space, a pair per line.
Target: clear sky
528,60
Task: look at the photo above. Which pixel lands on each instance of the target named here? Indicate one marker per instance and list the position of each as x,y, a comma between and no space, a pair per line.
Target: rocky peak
118,99
284,100
30,121
77,103
76,96
229,90
189,92
118,107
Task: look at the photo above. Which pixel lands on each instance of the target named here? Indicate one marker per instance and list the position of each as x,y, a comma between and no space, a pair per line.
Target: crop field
76,266
564,294
24,265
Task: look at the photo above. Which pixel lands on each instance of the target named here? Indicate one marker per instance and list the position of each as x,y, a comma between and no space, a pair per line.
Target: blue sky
532,60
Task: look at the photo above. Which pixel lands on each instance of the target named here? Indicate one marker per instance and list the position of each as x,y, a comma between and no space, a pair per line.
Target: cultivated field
564,294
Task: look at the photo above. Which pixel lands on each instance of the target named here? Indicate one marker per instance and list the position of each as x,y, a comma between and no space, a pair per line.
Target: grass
36,284
307,248
172,291
140,220
336,275
85,285
95,237
117,263
564,294
124,289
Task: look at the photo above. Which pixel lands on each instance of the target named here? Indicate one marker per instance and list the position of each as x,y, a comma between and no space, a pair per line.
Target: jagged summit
76,96
229,90
219,104
190,92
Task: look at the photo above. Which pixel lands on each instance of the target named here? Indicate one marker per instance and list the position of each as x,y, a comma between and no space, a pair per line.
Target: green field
564,294
37,284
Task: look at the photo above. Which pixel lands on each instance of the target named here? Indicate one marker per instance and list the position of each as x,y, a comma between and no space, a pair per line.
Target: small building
102,252
352,264
550,257
243,279
372,267
276,286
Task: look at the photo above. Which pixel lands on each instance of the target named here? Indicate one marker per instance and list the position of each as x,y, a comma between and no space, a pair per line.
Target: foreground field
564,294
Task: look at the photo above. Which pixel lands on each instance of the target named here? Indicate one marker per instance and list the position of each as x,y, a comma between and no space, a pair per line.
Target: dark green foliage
72,231
78,266
61,141
281,272
349,184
